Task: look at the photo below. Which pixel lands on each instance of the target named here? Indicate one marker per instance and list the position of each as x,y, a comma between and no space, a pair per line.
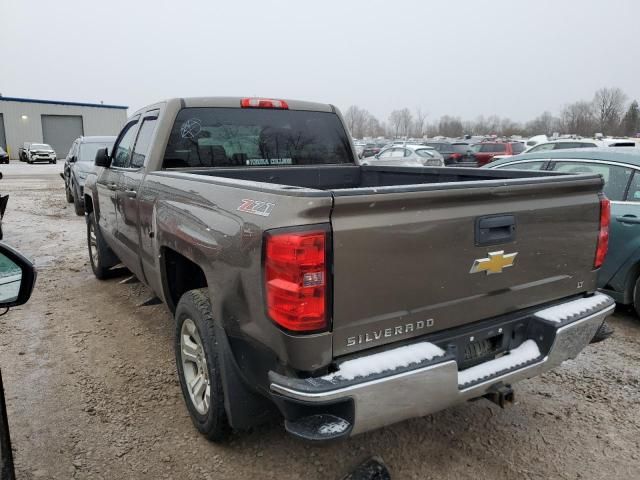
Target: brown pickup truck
342,297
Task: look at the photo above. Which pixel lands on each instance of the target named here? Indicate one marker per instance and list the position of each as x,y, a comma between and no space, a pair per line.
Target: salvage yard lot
92,390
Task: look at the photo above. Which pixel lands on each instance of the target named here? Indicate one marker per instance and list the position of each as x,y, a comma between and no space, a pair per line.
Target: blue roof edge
59,102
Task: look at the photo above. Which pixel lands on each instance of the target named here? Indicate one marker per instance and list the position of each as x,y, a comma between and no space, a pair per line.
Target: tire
101,256
636,297
55,161
29,162
67,193
78,205
195,335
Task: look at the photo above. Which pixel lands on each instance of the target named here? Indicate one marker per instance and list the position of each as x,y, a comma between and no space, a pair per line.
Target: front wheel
101,256
636,297
78,205
67,193
198,365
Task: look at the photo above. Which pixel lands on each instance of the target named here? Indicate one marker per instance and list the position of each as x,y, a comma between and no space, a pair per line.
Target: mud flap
245,408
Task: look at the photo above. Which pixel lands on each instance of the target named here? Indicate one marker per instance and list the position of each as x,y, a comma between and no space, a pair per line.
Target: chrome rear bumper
428,389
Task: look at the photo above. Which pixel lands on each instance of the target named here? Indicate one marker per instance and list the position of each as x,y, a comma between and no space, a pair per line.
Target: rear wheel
198,366
101,256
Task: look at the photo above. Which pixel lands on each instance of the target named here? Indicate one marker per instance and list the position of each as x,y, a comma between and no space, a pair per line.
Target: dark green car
620,168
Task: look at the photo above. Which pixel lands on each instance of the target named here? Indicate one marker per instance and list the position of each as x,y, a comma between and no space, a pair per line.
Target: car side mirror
17,277
73,159
102,158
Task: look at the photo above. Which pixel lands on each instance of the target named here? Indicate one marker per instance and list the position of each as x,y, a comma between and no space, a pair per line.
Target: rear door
131,178
624,230
404,262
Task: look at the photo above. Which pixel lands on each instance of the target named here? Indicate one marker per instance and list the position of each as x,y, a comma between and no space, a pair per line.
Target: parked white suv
41,152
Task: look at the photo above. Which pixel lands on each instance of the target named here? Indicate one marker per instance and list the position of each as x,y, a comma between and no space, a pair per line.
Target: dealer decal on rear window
269,161
256,207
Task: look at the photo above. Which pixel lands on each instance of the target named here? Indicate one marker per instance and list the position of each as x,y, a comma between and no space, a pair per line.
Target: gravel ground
92,390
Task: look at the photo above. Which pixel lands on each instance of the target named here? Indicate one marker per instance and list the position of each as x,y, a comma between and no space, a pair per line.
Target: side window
386,153
615,178
122,149
543,147
397,153
634,189
141,148
524,165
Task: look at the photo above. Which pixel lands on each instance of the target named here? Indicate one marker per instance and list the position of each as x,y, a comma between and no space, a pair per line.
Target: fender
624,279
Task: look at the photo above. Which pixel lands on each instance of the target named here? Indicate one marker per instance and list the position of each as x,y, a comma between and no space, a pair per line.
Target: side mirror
73,159
17,277
102,158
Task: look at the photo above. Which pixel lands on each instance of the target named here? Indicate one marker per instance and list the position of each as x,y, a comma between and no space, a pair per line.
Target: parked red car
485,151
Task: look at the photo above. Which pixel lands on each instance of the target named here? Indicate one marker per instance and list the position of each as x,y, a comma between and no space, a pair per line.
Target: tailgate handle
495,229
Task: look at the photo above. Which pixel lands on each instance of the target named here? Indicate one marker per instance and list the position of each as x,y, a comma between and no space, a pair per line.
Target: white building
53,122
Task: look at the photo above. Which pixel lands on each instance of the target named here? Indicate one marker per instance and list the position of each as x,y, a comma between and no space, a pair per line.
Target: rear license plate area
478,351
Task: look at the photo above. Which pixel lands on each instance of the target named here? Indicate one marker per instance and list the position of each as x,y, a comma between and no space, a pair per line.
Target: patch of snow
384,361
524,353
564,311
333,427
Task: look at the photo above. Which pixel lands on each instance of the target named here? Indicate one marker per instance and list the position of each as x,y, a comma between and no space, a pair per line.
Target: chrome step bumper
427,389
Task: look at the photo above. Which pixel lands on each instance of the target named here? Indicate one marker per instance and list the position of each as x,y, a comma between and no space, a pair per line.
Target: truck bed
351,177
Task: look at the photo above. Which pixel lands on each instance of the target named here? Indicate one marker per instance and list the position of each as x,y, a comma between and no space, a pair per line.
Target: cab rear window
235,137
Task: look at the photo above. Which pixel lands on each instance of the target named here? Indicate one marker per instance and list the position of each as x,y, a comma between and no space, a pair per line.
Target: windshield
40,146
231,137
88,150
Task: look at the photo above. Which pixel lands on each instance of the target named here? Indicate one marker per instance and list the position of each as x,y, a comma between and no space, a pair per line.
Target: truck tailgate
404,257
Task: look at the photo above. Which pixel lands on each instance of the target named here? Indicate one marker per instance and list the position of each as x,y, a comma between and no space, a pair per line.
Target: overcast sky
465,58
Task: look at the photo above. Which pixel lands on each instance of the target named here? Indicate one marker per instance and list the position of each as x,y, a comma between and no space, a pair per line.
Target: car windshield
231,137
88,150
40,146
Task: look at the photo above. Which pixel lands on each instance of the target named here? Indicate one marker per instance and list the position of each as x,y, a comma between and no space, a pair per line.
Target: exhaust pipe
502,395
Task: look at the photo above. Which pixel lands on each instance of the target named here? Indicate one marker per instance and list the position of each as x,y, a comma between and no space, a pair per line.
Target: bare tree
450,126
400,122
578,118
418,124
356,119
545,124
608,106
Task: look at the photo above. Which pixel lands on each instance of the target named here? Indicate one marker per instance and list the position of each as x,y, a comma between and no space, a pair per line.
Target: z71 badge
256,207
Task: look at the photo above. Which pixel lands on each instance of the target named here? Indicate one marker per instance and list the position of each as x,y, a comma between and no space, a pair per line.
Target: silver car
406,156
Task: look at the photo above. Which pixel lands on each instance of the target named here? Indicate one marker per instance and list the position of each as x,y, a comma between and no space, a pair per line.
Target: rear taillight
263,103
456,156
603,235
296,276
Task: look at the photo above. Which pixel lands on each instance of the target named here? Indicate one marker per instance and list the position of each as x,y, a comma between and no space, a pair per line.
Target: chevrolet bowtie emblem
496,262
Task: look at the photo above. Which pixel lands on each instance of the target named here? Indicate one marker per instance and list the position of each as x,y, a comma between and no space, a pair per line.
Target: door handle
112,186
628,219
131,193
